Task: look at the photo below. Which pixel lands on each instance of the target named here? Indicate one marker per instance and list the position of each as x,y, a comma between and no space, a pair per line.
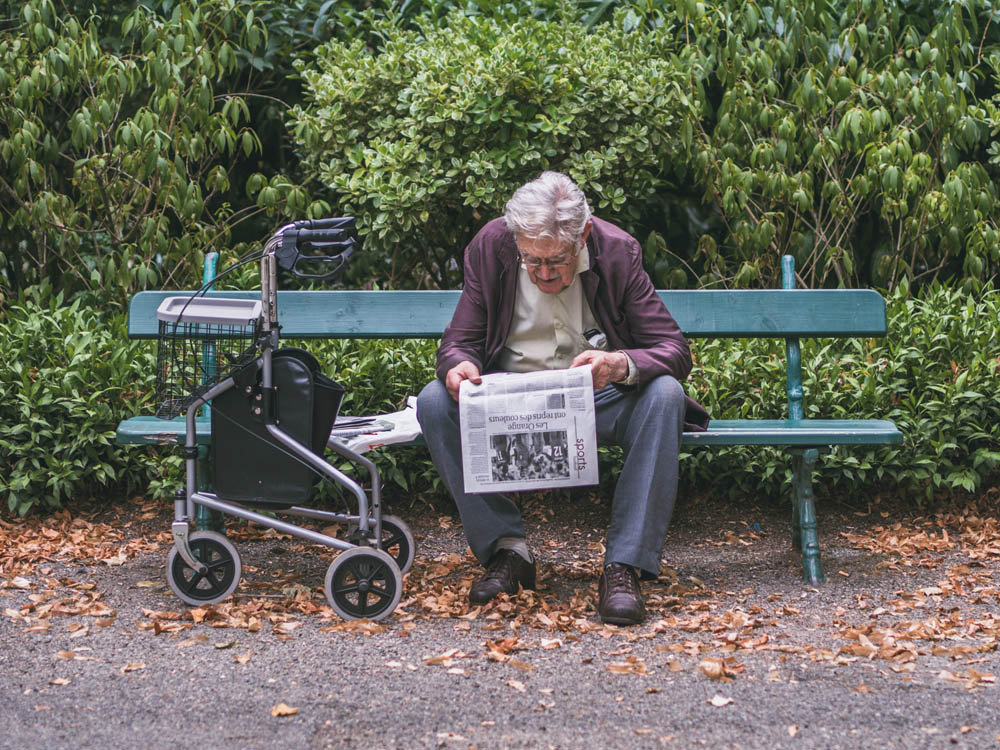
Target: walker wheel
363,582
222,561
397,540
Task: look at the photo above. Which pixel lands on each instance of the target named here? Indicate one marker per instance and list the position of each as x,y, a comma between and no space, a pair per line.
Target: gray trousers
647,423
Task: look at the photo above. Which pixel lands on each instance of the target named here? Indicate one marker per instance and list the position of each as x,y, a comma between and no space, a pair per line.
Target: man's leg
485,518
648,424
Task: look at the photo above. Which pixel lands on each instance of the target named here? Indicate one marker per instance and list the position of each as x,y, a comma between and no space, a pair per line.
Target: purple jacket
617,288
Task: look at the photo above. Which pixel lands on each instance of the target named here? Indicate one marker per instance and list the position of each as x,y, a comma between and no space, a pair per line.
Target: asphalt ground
897,649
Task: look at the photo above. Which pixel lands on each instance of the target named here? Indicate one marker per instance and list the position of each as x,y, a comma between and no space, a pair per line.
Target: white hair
550,207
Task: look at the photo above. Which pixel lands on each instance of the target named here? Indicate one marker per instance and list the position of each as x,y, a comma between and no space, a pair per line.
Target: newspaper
528,431
362,434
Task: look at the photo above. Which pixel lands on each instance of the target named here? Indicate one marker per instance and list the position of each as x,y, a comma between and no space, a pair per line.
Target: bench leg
804,534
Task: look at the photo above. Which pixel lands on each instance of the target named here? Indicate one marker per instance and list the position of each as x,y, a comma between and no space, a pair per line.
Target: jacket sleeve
658,346
464,337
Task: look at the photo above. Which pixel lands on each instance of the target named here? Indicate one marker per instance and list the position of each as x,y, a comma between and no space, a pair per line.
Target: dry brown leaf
719,701
60,681
193,640
720,669
133,667
243,658
792,730
631,665
516,684
283,709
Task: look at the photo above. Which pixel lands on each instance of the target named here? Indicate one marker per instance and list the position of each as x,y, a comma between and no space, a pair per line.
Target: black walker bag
250,466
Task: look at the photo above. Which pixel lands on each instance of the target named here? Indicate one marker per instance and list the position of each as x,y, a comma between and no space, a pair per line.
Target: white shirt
547,330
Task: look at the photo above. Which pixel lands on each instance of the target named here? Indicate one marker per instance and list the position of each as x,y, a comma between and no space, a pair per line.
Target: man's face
550,266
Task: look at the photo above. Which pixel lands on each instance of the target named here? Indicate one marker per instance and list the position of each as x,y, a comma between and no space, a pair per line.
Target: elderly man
549,286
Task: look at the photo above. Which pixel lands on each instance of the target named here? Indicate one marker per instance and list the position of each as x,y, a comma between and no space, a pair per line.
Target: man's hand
464,370
607,367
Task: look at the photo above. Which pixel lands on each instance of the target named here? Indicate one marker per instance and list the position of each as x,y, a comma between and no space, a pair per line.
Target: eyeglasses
556,262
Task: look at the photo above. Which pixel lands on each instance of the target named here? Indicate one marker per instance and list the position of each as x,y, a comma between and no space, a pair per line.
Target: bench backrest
424,314
778,313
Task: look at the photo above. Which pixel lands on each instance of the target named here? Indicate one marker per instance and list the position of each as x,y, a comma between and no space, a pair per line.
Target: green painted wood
796,432
153,431
806,432
424,314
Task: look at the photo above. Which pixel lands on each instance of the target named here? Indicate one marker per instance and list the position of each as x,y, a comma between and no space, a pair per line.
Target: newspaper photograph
528,431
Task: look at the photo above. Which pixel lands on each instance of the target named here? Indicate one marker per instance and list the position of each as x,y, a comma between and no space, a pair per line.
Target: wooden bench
786,313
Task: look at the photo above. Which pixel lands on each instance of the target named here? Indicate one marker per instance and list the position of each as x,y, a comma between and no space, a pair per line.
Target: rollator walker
272,410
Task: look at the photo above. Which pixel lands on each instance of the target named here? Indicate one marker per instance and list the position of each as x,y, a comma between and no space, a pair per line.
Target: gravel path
897,649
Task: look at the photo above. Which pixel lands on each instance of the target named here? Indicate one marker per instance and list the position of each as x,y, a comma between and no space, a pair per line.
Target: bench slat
800,432
805,432
153,431
424,314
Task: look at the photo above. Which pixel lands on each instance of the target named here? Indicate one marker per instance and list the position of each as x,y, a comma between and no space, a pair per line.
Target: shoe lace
620,576
502,566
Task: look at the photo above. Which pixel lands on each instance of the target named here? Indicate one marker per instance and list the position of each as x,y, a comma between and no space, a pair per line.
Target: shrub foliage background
426,140
73,377
859,135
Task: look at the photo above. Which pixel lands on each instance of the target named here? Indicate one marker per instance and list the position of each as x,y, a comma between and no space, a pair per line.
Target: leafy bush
936,375
69,377
852,135
425,141
120,164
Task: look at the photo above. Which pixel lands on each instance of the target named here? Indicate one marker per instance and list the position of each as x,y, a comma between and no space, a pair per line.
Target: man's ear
586,230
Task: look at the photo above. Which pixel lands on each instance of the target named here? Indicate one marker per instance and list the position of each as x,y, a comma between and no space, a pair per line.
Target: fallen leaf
243,658
195,639
133,667
719,701
283,709
792,730
59,681
517,685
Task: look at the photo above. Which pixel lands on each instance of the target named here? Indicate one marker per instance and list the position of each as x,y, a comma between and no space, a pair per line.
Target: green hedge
936,375
426,140
71,377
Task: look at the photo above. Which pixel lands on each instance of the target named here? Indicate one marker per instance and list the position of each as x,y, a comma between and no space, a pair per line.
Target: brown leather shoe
620,601
507,570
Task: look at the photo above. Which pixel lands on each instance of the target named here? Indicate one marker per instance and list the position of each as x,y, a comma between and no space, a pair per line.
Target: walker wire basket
201,341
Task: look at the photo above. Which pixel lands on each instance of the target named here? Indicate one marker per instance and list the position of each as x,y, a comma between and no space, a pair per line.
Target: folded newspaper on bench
529,431
362,434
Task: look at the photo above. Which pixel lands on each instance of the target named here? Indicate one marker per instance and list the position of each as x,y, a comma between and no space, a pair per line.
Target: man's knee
664,393
433,404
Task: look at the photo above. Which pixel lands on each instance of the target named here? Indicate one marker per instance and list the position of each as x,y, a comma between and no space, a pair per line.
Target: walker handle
319,234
